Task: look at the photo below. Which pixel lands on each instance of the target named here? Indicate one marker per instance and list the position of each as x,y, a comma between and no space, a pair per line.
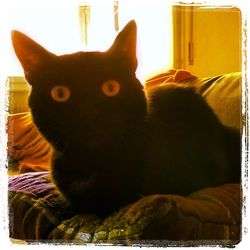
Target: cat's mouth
97,139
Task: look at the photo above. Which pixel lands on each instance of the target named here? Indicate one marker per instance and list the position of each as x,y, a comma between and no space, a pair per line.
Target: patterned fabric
27,149
38,212
170,76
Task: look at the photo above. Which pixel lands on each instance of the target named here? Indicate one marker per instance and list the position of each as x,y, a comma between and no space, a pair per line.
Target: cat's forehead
85,58
83,67
87,62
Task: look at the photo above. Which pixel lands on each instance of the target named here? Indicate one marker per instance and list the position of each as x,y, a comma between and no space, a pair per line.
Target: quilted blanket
210,216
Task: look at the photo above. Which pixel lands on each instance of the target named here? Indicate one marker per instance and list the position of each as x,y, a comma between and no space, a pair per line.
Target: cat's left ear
125,43
30,54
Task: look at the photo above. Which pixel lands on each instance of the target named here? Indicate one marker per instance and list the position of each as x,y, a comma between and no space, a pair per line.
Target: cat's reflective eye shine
111,88
60,93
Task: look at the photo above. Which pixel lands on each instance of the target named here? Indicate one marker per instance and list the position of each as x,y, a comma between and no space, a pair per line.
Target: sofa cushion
27,149
223,94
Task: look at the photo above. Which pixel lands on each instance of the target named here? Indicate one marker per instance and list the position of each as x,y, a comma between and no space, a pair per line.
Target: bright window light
57,27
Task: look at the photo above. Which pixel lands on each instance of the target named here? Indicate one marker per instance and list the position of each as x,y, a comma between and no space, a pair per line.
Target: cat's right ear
30,54
125,43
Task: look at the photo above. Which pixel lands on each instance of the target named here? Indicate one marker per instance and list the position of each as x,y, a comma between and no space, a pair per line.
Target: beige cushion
223,92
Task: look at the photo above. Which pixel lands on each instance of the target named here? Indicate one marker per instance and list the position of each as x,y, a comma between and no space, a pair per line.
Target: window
58,26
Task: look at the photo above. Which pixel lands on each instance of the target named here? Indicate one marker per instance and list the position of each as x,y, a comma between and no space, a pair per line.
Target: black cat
113,141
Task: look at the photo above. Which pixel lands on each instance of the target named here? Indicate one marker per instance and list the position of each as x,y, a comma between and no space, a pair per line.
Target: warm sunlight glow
154,21
58,28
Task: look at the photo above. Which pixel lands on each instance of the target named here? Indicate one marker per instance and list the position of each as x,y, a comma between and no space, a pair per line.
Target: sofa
38,213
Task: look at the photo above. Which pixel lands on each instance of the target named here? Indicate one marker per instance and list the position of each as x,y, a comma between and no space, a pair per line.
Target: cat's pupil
60,93
110,87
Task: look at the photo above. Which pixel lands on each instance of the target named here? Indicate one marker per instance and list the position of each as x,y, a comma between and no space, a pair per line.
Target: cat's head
85,95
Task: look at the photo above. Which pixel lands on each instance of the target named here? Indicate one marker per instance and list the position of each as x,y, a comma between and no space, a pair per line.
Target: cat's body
113,142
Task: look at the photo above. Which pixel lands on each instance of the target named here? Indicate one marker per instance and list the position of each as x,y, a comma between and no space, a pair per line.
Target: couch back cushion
222,92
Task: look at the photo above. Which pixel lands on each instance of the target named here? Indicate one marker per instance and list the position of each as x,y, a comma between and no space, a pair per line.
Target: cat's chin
96,142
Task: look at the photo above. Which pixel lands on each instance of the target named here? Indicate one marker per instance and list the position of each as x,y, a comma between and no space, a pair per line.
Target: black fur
110,150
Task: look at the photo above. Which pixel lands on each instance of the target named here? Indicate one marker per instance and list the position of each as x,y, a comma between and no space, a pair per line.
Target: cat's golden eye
111,88
60,93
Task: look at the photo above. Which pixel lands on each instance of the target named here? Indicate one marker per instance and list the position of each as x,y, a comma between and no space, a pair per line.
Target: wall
207,41
17,97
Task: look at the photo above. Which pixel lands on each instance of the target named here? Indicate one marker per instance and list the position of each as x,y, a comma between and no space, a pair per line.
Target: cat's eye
60,93
111,88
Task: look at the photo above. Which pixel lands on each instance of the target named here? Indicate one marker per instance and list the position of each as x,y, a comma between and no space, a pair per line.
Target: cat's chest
93,157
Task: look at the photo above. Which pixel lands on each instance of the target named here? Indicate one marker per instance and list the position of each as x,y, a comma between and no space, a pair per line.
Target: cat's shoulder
173,95
178,102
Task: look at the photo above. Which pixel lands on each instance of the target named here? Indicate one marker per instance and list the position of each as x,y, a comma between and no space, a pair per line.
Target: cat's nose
89,111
